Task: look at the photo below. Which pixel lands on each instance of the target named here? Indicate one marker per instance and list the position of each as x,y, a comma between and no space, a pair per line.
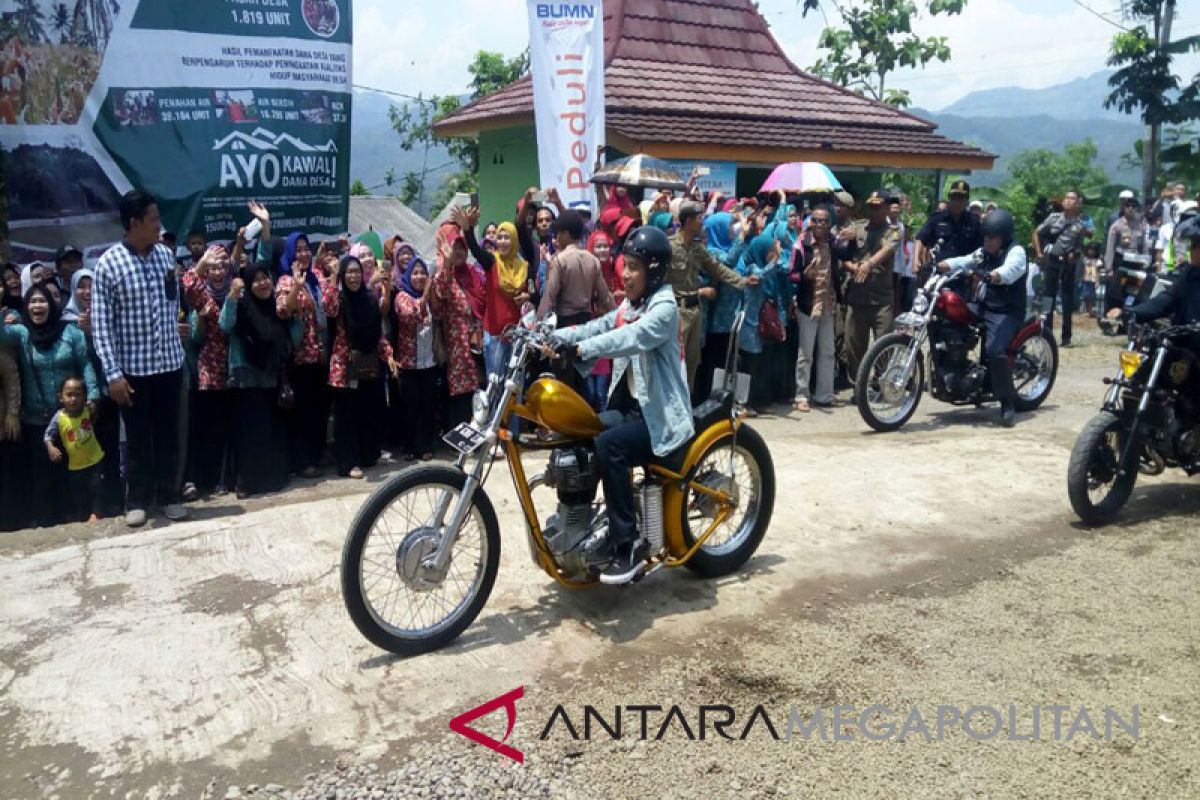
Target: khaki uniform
870,302
687,262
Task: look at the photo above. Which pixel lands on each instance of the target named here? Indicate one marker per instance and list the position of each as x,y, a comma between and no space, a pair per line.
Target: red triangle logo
508,702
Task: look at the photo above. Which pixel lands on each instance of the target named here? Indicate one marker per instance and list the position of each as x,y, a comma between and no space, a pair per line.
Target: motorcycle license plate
465,438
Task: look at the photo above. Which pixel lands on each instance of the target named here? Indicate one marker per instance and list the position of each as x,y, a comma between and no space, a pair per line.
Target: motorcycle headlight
479,408
1130,361
920,304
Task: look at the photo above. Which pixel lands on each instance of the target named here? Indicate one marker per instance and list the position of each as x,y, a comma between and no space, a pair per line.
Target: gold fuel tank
558,407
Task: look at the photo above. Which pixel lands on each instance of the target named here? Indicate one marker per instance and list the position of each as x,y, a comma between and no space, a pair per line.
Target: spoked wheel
740,467
885,401
1034,368
396,595
1096,489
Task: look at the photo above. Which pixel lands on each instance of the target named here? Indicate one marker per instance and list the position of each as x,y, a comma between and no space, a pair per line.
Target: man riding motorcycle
1003,302
1181,302
650,413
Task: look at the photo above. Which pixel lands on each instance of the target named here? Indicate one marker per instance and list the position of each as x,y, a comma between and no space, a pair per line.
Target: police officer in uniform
1059,240
1003,303
688,257
956,228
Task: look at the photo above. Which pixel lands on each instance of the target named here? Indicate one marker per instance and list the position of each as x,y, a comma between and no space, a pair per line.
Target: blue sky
410,47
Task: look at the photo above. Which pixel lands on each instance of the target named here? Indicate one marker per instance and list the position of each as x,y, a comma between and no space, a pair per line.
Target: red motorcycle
947,314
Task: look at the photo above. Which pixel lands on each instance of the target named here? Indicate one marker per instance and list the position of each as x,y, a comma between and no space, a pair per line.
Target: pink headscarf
730,205
365,256
469,278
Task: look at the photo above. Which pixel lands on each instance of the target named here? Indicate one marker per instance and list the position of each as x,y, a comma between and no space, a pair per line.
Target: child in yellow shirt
71,430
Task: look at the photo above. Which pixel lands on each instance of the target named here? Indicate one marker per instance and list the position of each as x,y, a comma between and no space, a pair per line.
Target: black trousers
152,439
1002,328
418,400
259,436
308,423
712,358
1059,274
210,457
618,450
357,426
83,488
108,434
45,481
13,485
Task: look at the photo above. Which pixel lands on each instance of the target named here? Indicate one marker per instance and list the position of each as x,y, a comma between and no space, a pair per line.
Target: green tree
28,19
357,189
874,39
62,22
414,123
1145,82
1036,176
1179,158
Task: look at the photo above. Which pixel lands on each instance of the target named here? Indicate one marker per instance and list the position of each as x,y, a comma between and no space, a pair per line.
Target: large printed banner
566,49
204,103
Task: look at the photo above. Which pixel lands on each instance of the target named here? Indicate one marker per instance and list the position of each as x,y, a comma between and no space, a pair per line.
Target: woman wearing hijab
10,289
206,287
354,366
49,351
778,362
760,259
452,304
419,370
107,421
260,344
505,276
298,296
601,246
721,309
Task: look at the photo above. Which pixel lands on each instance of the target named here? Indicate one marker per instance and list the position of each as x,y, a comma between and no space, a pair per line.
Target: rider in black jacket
1181,302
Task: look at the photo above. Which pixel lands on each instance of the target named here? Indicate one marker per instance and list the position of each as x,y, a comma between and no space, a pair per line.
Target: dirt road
935,566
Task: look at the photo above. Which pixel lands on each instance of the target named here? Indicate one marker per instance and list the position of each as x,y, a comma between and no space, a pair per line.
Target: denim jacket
650,346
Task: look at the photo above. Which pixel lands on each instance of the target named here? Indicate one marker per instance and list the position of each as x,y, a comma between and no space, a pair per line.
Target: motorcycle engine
577,534
957,372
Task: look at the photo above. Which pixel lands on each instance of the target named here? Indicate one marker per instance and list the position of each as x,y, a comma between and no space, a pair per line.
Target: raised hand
259,211
236,288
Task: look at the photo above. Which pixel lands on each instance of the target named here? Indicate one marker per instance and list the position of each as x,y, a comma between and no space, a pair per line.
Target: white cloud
410,47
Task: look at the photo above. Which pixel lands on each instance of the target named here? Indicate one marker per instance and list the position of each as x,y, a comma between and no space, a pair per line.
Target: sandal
802,405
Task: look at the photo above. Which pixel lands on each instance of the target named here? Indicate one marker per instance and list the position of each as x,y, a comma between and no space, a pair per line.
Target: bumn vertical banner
566,50
206,104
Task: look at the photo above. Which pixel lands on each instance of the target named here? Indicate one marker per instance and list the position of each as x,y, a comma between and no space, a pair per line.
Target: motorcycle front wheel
1034,369
882,401
1096,489
740,466
395,596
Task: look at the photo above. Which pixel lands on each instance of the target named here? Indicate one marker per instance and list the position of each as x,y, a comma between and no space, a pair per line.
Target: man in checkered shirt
135,302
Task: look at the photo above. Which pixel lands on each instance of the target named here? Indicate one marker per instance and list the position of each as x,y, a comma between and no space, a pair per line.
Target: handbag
285,396
364,366
770,327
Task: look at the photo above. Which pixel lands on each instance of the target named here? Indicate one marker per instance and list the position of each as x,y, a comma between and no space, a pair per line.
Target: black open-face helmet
653,248
999,222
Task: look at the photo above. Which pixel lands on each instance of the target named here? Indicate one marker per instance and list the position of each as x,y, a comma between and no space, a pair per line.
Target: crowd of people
153,379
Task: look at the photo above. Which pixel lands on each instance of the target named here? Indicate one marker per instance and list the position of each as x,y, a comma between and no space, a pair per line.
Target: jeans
816,340
1058,273
496,352
152,436
618,450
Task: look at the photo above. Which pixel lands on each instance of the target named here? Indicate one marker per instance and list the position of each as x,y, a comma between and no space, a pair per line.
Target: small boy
71,429
1091,276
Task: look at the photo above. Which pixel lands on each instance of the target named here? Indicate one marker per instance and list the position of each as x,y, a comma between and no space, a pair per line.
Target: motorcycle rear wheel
1097,492
873,397
389,540
752,483
1039,353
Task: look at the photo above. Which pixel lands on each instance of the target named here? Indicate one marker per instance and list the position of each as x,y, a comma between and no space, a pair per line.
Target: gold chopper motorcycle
422,553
